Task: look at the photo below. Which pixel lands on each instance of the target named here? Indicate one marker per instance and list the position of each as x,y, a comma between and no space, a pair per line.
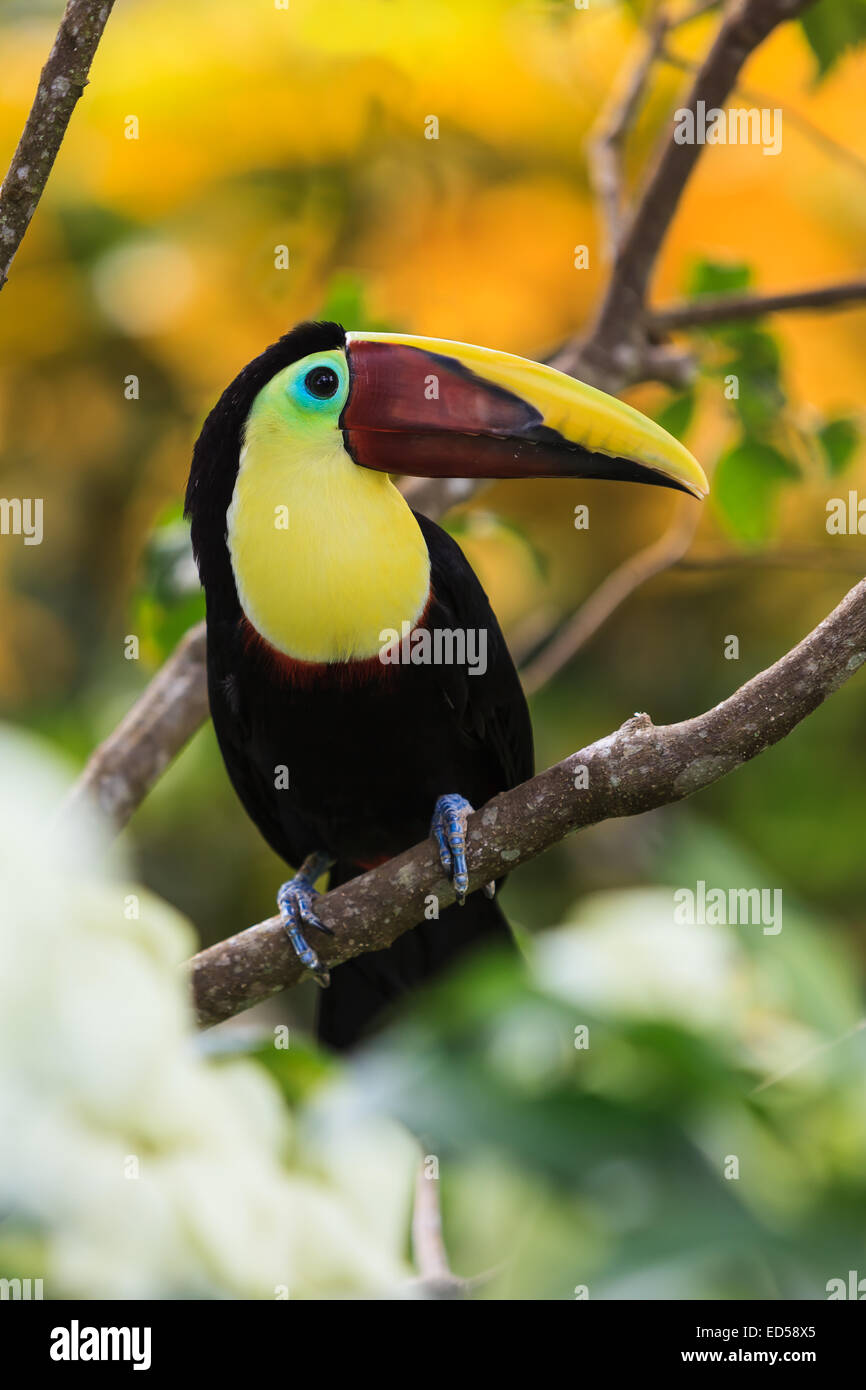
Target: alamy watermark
22,516
754,907
734,125
21,1290
846,516
77,1343
439,646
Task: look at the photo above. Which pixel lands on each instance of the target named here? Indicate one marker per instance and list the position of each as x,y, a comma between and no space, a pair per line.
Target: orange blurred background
259,127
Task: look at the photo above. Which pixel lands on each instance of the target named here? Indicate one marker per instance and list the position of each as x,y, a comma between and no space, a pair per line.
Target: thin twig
791,116
811,1056
428,1246
726,308
833,562
635,769
605,151
435,1277
61,83
617,344
619,585
701,8
122,770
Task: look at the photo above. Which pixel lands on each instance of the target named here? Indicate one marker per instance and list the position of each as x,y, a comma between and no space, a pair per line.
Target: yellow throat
326,555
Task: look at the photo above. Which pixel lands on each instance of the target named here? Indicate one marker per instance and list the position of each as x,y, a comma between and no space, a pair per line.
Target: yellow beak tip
582,415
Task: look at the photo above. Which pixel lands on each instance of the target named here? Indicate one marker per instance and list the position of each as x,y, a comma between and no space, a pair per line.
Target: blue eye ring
321,383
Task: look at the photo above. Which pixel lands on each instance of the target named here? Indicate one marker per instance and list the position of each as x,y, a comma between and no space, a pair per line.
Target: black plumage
368,750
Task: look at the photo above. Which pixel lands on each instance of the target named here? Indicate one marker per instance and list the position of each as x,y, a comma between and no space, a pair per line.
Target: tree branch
616,353
122,770
818,559
725,308
436,1279
61,83
633,770
605,150
667,550
617,347
753,96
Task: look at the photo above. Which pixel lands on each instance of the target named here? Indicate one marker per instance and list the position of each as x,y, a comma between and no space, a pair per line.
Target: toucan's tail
364,990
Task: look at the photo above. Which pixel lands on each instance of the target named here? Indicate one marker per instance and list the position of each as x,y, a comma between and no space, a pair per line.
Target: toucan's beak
433,408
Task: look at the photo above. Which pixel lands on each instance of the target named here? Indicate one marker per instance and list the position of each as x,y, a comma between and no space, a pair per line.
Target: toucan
346,739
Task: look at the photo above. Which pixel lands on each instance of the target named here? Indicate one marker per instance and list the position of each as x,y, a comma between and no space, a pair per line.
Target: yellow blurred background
217,138
258,127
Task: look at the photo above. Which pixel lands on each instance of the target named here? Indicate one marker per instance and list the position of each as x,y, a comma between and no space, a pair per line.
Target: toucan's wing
249,763
490,708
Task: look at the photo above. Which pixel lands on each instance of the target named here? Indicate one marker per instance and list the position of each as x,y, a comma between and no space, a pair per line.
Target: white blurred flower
144,1169
623,953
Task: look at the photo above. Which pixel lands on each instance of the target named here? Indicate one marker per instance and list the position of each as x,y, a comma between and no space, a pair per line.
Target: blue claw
295,901
448,828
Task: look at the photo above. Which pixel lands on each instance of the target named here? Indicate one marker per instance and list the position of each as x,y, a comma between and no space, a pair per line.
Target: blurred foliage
832,28
746,482
169,598
647,1110
155,259
747,361
839,439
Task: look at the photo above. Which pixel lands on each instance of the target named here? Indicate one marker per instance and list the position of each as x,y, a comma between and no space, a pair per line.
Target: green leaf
747,480
344,300
299,1070
833,27
161,627
345,303
676,416
756,364
718,277
839,440
170,599
91,231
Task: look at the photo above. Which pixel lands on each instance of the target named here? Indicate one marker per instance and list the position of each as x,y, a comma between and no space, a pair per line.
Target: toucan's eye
322,382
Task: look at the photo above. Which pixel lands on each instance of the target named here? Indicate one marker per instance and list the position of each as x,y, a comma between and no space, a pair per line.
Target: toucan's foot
296,903
448,828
